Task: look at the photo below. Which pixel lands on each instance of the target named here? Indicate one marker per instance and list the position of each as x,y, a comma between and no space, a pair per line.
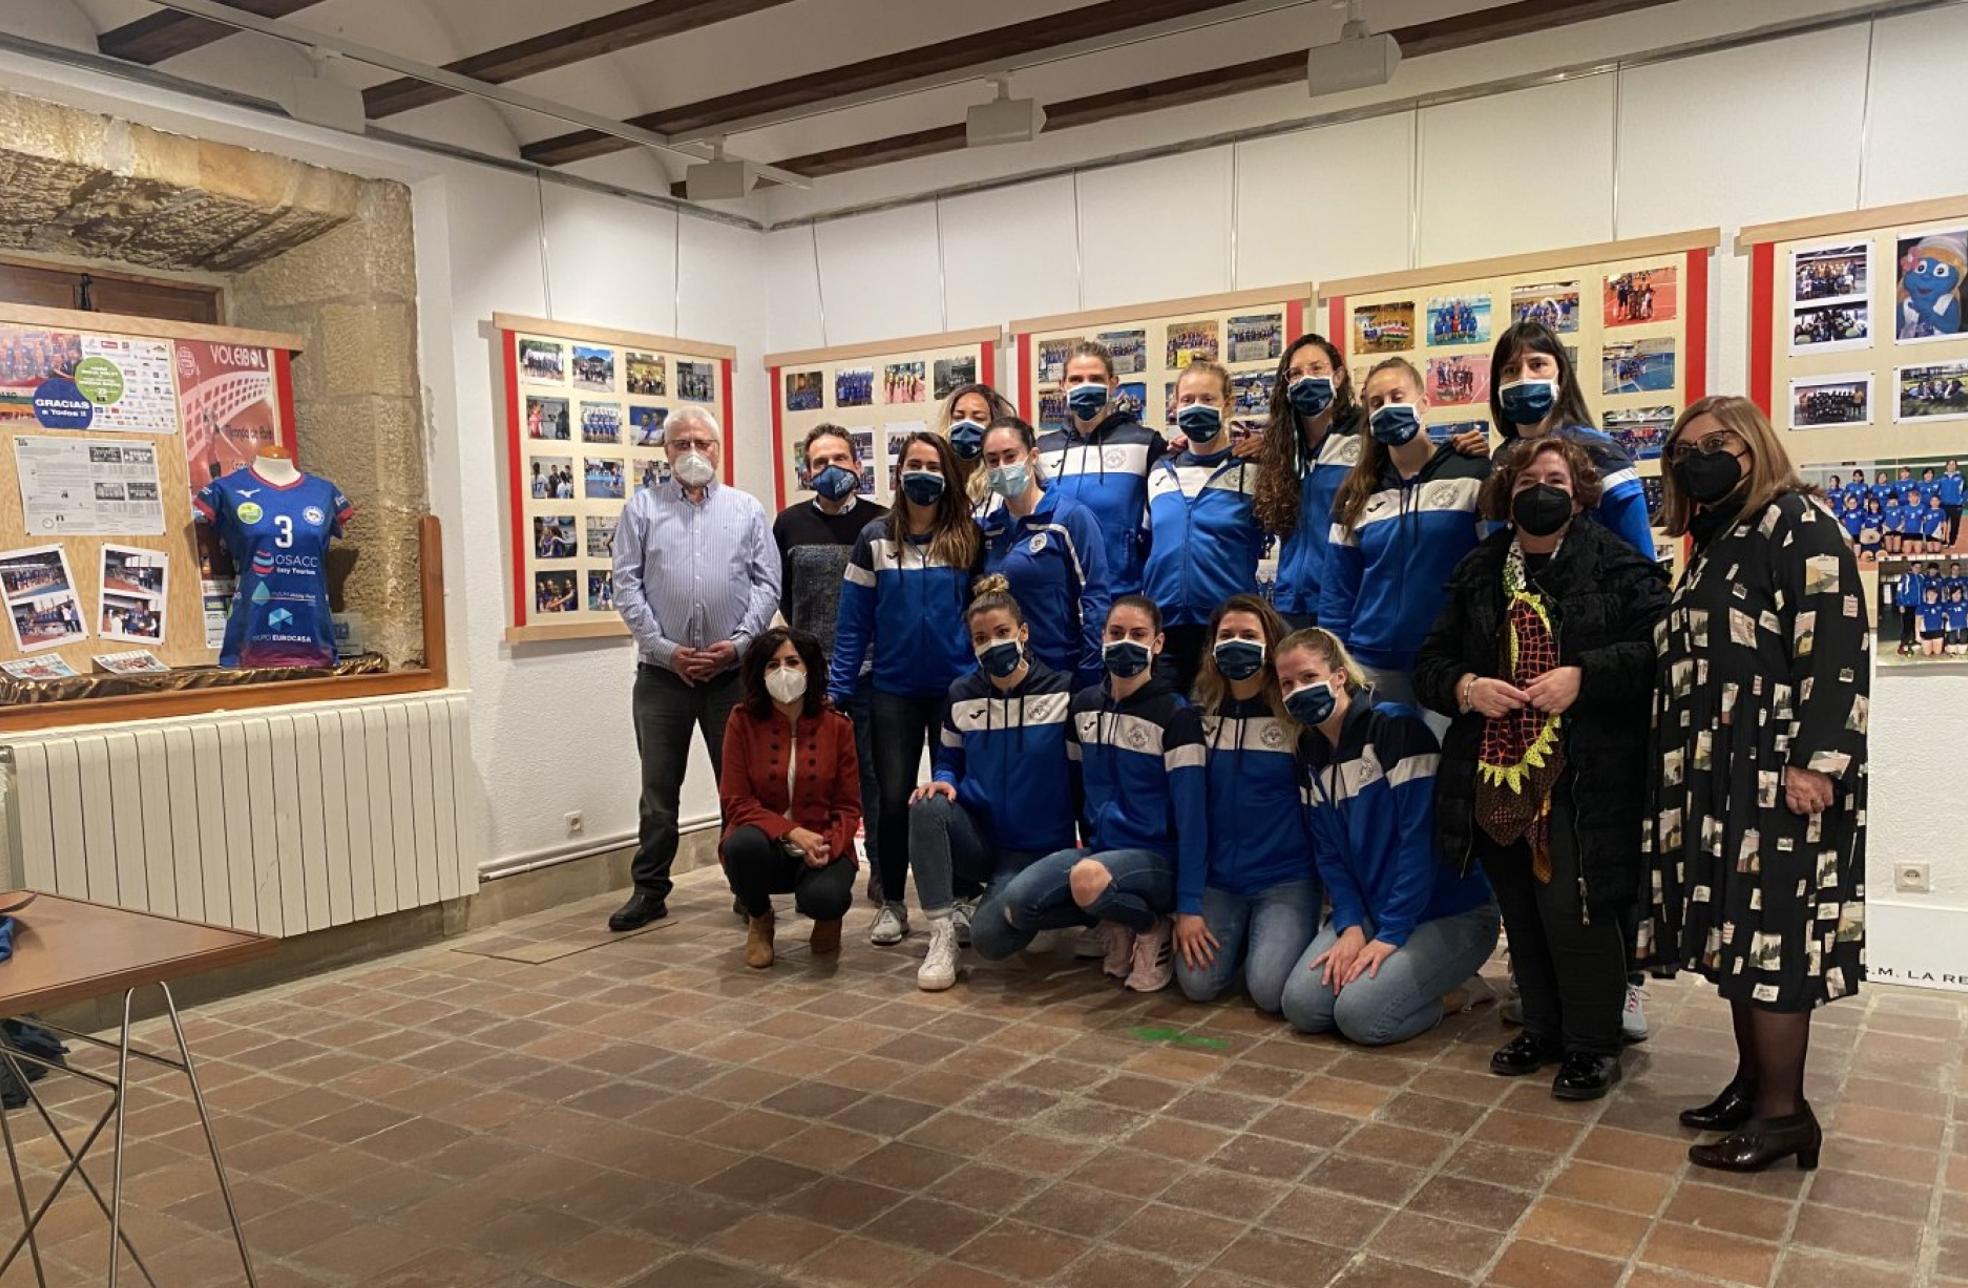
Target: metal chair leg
211,1137
20,1192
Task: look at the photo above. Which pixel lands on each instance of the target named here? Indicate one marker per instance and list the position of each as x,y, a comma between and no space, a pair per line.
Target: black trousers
1570,971
758,868
1182,654
904,728
1953,513
666,709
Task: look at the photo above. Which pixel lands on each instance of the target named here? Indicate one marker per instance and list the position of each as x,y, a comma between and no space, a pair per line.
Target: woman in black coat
1544,656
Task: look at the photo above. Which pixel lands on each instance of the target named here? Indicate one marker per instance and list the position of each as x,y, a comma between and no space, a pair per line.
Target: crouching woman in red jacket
791,792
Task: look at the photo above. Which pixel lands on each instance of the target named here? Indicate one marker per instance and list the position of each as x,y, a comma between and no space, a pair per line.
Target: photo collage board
880,392
585,419
1246,331
1634,315
108,426
1858,343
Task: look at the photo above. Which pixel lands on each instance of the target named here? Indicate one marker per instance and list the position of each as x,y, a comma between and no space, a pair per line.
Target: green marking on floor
1177,1037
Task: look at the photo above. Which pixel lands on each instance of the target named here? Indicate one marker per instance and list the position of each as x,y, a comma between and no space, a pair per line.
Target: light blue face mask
1085,401
1009,481
1200,421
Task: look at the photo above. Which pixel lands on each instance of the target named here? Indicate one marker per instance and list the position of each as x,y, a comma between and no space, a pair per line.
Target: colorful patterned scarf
1521,757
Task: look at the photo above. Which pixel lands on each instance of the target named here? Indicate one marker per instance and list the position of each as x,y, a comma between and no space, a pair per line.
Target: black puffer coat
1605,597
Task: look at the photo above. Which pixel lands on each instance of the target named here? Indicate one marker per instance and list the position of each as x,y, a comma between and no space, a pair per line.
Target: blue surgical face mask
1239,659
1085,401
1312,705
1395,423
1000,659
834,482
1200,421
1310,395
1125,658
923,487
1528,401
967,438
1009,481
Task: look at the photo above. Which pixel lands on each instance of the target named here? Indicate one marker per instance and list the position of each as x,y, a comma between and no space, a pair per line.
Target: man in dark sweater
815,538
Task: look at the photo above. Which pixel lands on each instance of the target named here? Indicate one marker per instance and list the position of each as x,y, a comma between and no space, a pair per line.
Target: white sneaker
1094,942
939,968
1154,958
1116,944
961,914
891,926
1633,1020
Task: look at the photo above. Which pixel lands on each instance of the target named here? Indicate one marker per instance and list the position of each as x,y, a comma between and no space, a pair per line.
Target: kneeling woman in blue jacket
1255,902
1139,748
1405,927
1050,550
1002,795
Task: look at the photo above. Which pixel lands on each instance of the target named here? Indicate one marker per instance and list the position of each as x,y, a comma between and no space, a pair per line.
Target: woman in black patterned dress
1756,839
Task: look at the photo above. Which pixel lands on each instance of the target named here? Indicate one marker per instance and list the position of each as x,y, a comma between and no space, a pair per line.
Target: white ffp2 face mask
786,685
694,469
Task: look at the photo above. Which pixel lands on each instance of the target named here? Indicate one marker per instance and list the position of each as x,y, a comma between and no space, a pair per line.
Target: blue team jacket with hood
1056,562
1142,772
1005,753
1258,836
1623,502
1370,802
1302,555
908,607
1204,537
1387,573
1107,471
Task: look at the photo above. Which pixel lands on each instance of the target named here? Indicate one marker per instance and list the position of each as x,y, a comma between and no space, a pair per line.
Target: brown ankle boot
826,939
758,942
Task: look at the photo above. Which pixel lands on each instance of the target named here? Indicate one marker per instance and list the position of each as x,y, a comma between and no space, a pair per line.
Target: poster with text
78,487
226,404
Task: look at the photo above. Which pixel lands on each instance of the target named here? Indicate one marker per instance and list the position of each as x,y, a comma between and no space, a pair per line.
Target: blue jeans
1140,889
947,850
1405,999
1265,933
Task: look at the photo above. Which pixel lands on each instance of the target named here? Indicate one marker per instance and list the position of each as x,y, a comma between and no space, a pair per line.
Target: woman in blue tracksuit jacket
1254,900
1406,927
1145,810
1204,539
1101,459
1002,794
1535,393
1050,550
903,595
1403,519
1310,444
1950,486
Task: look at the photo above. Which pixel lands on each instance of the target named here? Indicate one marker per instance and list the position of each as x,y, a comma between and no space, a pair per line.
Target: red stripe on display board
1025,376
513,467
1762,324
730,420
1294,320
987,364
1696,384
1336,322
778,440
283,386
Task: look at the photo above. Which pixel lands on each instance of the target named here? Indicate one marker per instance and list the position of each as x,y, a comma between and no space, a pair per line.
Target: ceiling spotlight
1356,60
1004,119
720,179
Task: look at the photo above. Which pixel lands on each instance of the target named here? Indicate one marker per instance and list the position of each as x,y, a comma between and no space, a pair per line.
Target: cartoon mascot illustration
1930,286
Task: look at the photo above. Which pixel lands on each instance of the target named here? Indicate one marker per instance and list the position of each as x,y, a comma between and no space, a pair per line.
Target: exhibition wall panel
620,275
1304,207
881,275
1010,251
1172,214
880,392
1906,157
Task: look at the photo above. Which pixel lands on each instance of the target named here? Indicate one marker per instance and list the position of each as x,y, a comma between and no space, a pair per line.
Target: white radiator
278,820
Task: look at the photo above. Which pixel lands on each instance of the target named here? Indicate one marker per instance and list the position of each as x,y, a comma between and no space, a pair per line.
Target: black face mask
1542,510
1707,477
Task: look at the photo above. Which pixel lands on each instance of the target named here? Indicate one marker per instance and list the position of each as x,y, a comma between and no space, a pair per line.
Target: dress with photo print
1763,663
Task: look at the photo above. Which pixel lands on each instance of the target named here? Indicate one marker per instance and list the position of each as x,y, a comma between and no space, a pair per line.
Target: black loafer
1525,1053
1584,1076
641,909
1726,1112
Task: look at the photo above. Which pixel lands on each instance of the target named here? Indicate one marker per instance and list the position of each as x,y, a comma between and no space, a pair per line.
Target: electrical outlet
1911,878
575,823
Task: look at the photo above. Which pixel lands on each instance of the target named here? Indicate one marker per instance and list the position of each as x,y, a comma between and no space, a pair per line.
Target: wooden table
68,951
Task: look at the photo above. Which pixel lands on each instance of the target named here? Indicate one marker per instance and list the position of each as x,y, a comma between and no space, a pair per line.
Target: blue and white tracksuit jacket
1258,834
1302,555
1622,505
1107,471
1005,753
908,607
1203,533
1142,772
1056,562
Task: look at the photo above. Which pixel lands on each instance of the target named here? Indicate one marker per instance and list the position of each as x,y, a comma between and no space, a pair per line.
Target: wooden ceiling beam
605,34
815,88
165,34
1522,17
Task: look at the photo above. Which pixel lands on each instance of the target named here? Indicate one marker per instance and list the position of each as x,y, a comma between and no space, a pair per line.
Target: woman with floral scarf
1544,658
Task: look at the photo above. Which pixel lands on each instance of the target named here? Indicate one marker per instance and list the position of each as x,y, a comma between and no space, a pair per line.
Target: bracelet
1468,686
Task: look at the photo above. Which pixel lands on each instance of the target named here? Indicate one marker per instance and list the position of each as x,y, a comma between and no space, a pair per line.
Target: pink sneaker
1154,958
1119,957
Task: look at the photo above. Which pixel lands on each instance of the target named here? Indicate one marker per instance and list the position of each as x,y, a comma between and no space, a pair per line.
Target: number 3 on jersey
285,539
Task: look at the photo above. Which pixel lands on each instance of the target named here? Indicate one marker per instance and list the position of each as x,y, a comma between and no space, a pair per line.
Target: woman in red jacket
791,792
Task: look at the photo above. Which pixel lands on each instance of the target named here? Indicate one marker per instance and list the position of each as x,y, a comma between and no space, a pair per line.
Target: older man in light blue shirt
696,579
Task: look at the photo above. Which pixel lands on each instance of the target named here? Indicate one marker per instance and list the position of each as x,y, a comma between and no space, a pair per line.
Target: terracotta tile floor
649,1112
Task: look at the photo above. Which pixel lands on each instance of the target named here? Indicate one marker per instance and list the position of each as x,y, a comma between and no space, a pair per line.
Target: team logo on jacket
1273,736
250,512
1137,737
1114,458
1037,544
314,515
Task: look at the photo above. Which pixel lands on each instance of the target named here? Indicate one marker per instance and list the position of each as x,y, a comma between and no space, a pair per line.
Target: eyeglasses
1706,445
